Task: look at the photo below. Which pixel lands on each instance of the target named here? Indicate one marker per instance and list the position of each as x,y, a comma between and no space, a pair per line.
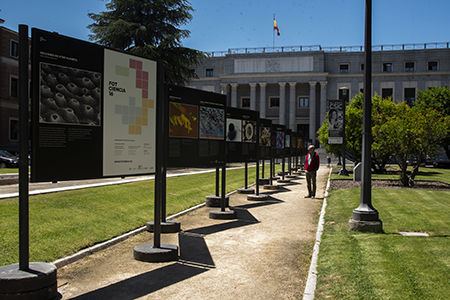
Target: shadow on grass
422,173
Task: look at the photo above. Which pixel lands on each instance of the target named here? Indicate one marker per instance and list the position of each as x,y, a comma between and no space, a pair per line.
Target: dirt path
264,254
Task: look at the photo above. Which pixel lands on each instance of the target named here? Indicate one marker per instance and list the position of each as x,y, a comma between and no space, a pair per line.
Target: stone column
323,101
234,94
224,91
312,111
252,96
292,106
262,100
282,111
224,88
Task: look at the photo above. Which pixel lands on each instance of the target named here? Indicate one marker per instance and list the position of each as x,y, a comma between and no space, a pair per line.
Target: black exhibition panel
241,135
265,138
196,127
278,140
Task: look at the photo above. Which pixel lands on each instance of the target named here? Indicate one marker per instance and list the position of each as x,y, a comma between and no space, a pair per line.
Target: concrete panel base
257,197
246,191
148,253
215,201
222,215
271,187
39,282
263,181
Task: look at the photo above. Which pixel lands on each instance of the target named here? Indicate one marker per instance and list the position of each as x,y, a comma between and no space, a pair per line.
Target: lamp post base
343,172
365,226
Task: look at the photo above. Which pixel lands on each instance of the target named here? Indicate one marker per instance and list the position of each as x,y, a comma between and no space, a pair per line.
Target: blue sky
220,25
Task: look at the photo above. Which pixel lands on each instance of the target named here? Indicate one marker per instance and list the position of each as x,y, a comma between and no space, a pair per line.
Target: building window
386,93
432,66
14,49
343,68
410,95
362,68
245,102
14,87
387,67
274,102
209,72
14,129
409,66
303,101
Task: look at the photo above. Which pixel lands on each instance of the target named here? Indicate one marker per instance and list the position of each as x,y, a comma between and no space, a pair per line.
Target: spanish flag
275,26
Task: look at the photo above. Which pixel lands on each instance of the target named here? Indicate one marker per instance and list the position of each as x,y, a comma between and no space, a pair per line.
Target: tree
149,28
410,132
438,99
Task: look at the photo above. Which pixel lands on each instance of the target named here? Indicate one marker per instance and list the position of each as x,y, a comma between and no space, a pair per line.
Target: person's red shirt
314,166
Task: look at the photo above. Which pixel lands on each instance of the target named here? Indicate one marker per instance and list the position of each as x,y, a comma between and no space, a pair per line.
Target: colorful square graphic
131,114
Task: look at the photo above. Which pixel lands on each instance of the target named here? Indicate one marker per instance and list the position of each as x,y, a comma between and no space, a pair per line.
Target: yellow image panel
145,112
138,120
148,103
138,130
144,121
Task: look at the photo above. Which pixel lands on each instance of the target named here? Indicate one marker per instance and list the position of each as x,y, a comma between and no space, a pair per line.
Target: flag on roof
275,26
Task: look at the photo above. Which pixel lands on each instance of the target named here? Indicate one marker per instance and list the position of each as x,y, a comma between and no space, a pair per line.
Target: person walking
311,167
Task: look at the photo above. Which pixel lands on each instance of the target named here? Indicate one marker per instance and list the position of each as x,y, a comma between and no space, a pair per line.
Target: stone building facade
291,85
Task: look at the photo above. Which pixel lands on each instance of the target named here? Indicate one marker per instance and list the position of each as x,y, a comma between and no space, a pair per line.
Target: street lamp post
365,217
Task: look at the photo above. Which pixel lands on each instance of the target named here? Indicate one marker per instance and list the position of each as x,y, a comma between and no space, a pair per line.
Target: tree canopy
149,28
439,100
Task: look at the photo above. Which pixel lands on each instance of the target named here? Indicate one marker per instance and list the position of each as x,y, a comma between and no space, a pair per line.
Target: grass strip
9,171
354,265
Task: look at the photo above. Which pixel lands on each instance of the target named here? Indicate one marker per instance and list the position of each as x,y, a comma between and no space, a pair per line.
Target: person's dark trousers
311,183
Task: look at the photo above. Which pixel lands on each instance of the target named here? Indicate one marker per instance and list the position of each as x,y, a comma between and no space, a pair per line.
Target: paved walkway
264,254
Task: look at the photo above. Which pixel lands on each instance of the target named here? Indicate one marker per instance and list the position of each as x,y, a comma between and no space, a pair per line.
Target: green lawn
9,171
63,223
354,265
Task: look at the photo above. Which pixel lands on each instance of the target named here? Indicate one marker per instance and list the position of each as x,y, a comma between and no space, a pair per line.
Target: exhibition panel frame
93,110
265,138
